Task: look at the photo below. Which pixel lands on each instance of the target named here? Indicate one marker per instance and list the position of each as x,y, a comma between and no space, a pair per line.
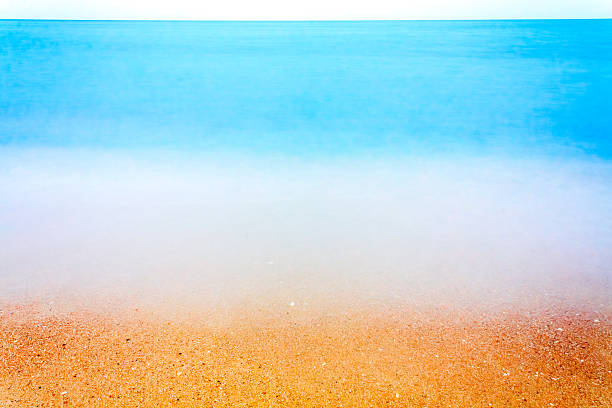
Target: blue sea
435,161
309,88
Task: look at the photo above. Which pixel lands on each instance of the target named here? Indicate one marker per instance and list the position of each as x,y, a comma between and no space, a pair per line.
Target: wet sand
285,357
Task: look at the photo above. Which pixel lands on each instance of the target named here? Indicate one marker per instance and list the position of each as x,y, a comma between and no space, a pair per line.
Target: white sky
303,10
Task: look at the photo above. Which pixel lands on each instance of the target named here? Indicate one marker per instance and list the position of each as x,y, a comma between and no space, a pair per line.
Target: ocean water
441,161
310,87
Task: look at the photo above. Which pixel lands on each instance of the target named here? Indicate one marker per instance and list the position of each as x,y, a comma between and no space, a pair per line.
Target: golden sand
378,357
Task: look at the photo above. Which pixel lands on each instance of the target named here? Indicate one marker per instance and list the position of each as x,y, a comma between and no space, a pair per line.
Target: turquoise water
437,161
511,87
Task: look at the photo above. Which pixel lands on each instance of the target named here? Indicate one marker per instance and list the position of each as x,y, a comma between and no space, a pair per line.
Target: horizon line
305,20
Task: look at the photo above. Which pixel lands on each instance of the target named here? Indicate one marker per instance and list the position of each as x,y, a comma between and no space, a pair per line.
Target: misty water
396,161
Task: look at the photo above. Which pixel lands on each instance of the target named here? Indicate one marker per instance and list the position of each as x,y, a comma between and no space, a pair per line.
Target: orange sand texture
371,357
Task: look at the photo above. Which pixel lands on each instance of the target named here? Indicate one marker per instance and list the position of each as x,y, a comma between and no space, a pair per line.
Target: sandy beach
362,357
306,213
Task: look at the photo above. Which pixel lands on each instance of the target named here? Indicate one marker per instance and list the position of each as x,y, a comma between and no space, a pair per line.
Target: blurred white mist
194,226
